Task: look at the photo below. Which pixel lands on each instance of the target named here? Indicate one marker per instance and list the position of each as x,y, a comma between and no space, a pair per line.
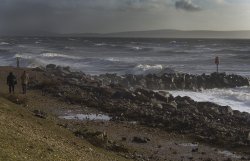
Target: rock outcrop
176,81
129,98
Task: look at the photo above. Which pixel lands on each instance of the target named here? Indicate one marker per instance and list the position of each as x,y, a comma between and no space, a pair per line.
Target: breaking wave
144,69
237,98
56,55
4,43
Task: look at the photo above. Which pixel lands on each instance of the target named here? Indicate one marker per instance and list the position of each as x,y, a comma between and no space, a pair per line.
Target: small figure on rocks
11,82
24,80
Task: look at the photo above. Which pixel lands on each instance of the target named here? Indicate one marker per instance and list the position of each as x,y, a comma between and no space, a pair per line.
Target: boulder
40,114
140,140
226,110
50,66
173,105
39,69
123,95
67,69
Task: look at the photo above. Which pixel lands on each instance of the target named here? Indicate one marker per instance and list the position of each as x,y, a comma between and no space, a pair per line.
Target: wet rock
39,69
123,95
51,67
226,110
173,105
248,138
140,140
72,81
194,150
40,114
63,71
208,159
67,69
179,81
245,158
120,97
158,105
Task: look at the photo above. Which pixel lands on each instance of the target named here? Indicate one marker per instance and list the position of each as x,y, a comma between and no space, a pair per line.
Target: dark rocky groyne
203,120
177,81
173,81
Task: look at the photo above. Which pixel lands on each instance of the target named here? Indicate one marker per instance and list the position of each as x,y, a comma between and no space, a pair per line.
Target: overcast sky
74,16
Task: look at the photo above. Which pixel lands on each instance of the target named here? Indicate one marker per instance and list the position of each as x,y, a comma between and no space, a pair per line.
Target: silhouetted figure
217,62
25,81
11,81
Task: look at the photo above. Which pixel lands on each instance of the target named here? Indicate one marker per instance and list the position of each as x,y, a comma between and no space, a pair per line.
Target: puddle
92,117
229,154
189,145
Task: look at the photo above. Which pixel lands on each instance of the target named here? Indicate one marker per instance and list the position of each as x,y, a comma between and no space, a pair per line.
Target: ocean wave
23,56
112,59
237,98
148,67
100,44
173,42
144,69
4,43
136,48
56,55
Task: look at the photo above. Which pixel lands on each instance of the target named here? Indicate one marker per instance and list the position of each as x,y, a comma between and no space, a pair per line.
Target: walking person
11,82
24,81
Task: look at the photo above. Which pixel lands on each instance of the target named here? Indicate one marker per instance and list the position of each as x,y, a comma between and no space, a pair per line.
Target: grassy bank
29,138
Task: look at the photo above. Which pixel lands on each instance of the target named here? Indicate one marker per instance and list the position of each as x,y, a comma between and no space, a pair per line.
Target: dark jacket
11,79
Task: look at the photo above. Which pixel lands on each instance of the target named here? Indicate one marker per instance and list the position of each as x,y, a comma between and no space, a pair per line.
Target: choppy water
138,56
101,55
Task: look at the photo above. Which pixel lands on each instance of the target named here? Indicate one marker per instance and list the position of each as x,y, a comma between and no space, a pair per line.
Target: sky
104,16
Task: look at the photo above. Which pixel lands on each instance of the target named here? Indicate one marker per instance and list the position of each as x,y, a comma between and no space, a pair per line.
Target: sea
96,56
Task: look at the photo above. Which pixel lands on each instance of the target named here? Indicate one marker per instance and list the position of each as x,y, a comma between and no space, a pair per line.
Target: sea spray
237,98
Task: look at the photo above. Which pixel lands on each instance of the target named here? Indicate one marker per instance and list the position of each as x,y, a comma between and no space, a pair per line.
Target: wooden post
217,62
17,62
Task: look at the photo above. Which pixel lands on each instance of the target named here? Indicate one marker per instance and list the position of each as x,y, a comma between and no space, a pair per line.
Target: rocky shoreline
166,81
130,98
176,81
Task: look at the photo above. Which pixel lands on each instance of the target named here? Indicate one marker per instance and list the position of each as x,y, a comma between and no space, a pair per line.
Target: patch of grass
25,137
18,99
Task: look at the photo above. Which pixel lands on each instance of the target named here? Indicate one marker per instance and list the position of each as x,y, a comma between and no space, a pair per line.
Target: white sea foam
100,44
113,59
237,98
4,43
136,48
146,69
24,56
53,55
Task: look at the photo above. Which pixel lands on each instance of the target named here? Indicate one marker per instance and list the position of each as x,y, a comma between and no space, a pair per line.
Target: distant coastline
194,34
167,33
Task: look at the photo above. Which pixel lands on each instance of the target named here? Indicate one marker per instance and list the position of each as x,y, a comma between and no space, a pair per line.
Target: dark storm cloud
27,16
74,16
68,15
187,5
